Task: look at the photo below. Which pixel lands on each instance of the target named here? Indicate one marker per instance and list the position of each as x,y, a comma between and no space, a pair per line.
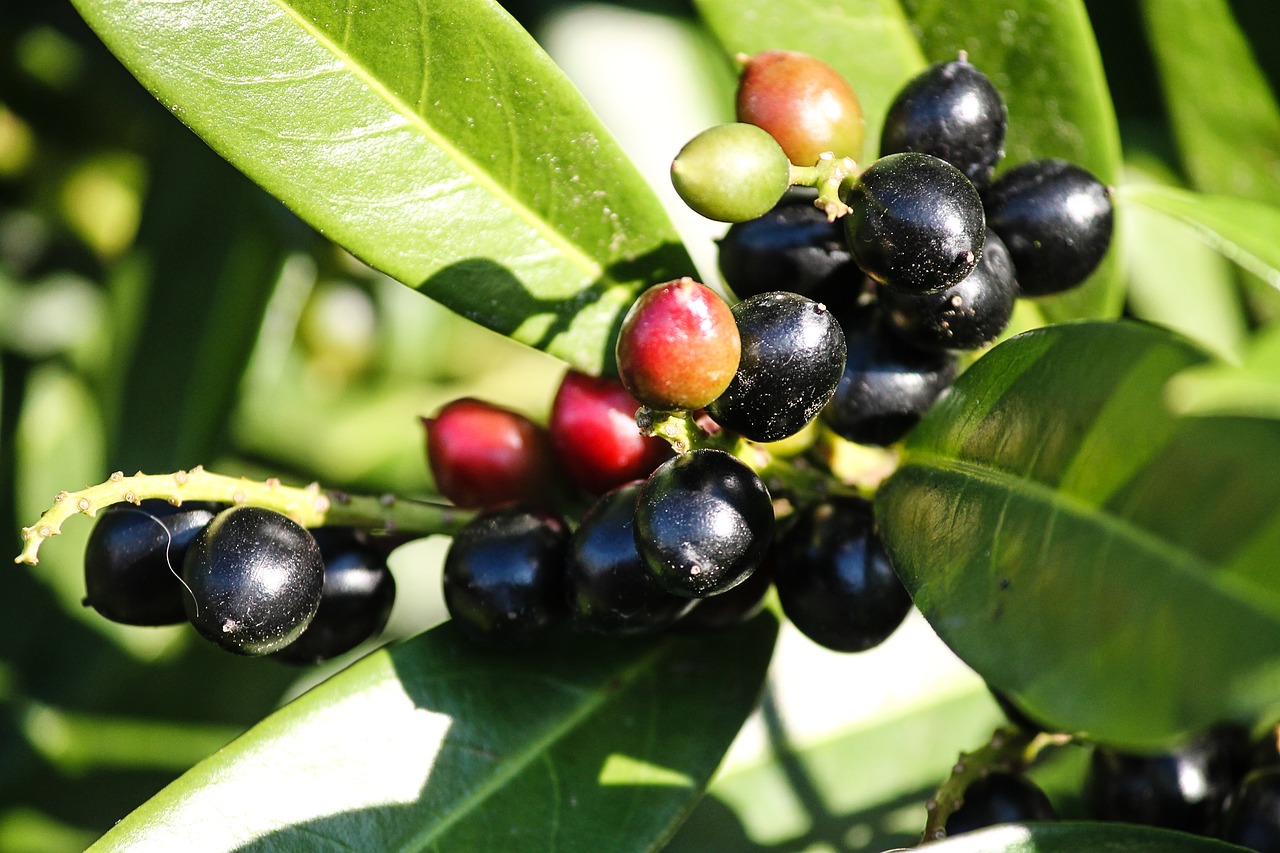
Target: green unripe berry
731,172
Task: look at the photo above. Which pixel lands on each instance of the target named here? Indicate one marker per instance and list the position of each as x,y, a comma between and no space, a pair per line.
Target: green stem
831,177
310,506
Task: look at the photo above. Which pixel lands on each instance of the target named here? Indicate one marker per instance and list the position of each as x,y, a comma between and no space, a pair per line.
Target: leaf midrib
1187,563
517,762
576,255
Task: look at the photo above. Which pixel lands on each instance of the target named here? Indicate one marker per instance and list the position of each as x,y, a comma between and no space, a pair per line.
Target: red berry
803,103
482,455
678,348
594,435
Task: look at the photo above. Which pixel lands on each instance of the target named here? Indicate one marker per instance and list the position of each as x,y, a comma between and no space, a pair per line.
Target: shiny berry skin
678,347
1253,820
834,580
803,103
999,798
482,455
887,384
1185,789
792,247
731,173
610,590
594,434
1056,219
703,523
255,578
355,601
133,560
793,353
952,111
967,315
736,606
916,223
504,575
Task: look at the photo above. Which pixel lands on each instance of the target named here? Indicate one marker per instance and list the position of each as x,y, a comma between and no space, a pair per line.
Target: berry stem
831,177
1010,750
310,506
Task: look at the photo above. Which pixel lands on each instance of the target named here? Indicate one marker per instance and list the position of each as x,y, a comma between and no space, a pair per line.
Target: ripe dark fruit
792,247
952,111
803,103
594,434
967,315
703,522
255,578
834,580
1185,789
886,385
133,560
731,173
1254,818
678,347
1056,219
793,353
355,602
736,606
482,455
504,575
916,223
999,798
610,590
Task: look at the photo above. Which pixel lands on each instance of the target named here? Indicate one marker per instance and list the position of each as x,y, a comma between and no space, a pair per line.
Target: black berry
736,606
133,560
610,590
887,384
834,580
792,247
967,315
504,575
1253,820
355,602
703,521
952,111
255,578
999,798
793,353
1056,219
916,222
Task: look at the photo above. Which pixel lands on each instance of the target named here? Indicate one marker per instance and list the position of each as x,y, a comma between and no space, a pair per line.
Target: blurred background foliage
158,311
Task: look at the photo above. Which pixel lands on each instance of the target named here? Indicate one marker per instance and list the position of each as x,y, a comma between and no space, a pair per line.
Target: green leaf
439,745
1108,563
436,142
1040,54
1240,230
1072,837
1227,123
1250,389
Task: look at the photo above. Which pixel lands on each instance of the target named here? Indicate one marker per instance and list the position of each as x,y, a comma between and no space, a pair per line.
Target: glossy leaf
438,745
1085,550
436,142
1227,123
1072,837
1241,230
1040,54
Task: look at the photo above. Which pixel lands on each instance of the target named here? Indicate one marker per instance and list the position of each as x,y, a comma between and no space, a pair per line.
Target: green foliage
1087,520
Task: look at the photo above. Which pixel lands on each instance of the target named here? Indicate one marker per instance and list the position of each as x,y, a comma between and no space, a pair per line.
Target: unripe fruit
678,347
952,111
133,560
793,353
594,434
731,173
916,223
482,455
803,103
1056,219
703,522
255,578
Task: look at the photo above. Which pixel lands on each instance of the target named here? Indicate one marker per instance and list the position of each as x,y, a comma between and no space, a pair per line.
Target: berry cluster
249,579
